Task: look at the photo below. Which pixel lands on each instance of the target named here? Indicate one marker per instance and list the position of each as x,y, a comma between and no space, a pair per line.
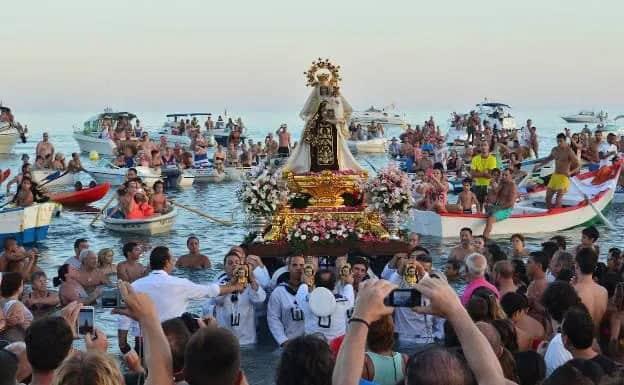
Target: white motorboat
208,175
51,179
498,115
27,224
586,116
90,137
156,224
170,128
224,126
9,130
370,146
116,176
385,116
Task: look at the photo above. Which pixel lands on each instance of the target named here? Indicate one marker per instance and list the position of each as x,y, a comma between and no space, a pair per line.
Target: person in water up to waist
566,164
481,166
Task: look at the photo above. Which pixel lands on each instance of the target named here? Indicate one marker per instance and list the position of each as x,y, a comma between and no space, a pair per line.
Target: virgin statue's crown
322,77
321,71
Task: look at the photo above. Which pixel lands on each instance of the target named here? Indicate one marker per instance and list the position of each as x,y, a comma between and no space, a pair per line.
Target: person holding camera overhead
236,311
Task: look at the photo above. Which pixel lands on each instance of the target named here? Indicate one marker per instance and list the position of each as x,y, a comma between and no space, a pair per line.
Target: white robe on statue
300,159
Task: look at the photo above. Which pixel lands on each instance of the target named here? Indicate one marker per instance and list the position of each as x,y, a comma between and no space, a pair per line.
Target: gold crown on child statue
322,70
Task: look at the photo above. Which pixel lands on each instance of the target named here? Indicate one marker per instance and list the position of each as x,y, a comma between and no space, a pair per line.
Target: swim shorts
559,182
499,213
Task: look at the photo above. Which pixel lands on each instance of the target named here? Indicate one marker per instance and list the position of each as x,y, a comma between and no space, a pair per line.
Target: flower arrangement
390,190
262,192
321,231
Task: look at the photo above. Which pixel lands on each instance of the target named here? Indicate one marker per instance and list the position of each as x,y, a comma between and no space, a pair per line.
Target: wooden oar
103,208
598,212
201,214
370,164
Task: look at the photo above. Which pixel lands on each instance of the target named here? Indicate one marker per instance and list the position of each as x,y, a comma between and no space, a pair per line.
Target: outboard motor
170,176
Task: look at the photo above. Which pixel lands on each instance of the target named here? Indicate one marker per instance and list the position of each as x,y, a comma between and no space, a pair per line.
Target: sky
77,55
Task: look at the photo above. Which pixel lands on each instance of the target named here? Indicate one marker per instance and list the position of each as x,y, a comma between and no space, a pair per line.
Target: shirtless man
536,269
505,200
74,164
45,149
566,164
194,259
465,248
284,141
15,258
158,200
593,296
131,269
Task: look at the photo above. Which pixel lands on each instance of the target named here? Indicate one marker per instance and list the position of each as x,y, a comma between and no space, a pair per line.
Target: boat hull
87,143
208,175
182,140
82,197
7,140
148,226
29,224
117,176
580,119
40,177
372,146
525,220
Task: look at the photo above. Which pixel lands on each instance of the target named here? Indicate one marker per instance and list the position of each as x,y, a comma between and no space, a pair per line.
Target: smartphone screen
86,320
110,298
403,298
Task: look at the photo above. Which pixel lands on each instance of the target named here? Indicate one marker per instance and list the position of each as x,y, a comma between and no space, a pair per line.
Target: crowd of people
493,314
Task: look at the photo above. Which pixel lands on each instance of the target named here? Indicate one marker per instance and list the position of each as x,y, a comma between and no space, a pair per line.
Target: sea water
220,200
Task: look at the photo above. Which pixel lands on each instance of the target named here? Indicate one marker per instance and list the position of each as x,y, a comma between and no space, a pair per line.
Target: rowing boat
27,224
81,197
157,224
528,216
53,178
208,175
371,146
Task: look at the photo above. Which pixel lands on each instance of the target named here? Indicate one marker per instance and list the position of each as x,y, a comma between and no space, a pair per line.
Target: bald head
476,264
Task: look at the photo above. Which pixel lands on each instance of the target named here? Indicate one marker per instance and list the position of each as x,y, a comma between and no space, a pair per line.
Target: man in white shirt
236,311
607,150
333,325
170,294
410,326
284,314
79,245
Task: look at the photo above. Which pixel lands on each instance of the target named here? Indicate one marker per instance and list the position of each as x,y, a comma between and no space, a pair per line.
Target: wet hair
306,360
159,257
438,166
586,260
578,327
11,283
468,229
541,258
158,182
550,248
36,275
212,353
560,240
561,135
531,367
380,337
615,252
60,275
132,169
558,297
591,232
468,181
496,253
48,342
128,247
6,241
91,367
178,335
191,238
455,264
78,241
437,366
518,236
358,261
513,303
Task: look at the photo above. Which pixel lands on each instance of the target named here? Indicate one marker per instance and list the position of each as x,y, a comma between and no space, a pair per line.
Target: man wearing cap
284,141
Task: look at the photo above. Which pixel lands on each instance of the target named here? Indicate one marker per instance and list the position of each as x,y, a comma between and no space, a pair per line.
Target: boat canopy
116,115
177,115
493,105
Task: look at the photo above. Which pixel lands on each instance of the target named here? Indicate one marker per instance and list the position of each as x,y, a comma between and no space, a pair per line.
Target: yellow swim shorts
559,182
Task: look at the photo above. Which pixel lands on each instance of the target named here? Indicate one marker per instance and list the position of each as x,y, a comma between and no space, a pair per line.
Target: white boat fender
322,302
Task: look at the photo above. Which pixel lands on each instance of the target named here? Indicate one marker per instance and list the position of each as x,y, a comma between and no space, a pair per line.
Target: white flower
327,236
303,237
315,238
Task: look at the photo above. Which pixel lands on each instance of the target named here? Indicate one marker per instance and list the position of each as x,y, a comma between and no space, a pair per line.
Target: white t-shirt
605,147
556,354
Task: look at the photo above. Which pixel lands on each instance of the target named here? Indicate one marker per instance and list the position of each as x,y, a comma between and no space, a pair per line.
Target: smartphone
403,298
86,320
